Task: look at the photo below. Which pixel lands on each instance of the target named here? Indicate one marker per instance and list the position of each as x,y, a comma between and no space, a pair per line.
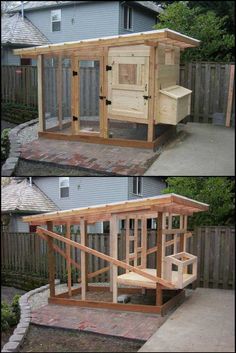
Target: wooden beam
144,242
114,241
127,232
106,257
230,96
159,297
181,225
83,235
105,93
75,95
40,65
151,93
51,261
159,243
135,241
68,259
59,91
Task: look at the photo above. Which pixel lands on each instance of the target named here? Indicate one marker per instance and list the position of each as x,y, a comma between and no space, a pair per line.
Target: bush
5,145
16,306
18,113
8,317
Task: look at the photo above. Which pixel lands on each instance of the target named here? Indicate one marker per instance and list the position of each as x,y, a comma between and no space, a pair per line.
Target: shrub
5,145
18,113
16,306
8,317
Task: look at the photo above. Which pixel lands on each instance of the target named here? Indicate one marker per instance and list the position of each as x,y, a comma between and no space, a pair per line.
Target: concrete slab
200,149
203,323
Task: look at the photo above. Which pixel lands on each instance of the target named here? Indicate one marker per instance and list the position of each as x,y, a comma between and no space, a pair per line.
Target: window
128,18
56,20
25,61
137,185
64,187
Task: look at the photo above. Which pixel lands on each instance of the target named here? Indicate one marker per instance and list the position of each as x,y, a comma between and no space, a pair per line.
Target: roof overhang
170,203
165,36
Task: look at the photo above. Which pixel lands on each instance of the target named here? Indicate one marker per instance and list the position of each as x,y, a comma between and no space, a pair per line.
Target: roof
16,30
165,35
172,203
21,197
36,5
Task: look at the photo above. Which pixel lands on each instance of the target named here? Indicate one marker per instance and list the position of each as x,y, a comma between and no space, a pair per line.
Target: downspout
22,10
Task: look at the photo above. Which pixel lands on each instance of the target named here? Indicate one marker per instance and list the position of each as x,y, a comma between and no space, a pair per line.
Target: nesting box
116,84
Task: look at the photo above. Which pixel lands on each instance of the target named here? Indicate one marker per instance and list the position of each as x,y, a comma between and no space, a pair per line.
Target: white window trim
55,21
60,180
132,27
141,192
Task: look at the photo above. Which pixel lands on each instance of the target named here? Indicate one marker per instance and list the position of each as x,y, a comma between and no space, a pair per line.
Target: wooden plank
51,261
151,101
105,257
230,96
177,299
159,243
144,242
83,234
159,296
59,91
106,305
75,95
41,93
68,261
114,250
135,241
127,240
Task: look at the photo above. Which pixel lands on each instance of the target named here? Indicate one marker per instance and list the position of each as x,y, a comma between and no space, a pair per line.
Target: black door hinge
147,97
108,67
108,102
75,73
75,118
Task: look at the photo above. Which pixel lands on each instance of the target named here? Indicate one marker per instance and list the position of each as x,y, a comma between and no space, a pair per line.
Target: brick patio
95,157
138,326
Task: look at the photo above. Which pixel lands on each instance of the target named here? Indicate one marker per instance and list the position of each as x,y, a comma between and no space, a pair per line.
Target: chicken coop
128,272
119,90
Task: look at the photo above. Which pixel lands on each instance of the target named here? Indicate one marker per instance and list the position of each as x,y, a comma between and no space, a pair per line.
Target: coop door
128,87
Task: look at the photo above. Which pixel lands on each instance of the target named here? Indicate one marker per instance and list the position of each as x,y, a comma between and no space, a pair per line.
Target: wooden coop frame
139,84
137,276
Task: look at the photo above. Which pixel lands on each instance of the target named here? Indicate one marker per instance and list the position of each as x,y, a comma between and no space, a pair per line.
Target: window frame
61,179
139,192
53,21
129,11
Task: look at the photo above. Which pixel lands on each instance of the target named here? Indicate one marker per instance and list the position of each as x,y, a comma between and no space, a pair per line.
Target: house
76,192
18,32
19,198
63,21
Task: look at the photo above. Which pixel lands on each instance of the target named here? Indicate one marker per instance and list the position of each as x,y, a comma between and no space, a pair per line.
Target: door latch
147,97
102,97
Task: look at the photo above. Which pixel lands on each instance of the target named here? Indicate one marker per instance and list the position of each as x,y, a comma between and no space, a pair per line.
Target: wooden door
128,88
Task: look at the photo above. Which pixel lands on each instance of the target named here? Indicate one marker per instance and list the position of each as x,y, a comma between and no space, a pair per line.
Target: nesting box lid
176,91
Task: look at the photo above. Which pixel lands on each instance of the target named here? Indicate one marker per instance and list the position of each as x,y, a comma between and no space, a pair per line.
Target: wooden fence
209,82
214,246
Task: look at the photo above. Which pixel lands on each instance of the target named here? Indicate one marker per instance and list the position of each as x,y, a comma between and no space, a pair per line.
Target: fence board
214,246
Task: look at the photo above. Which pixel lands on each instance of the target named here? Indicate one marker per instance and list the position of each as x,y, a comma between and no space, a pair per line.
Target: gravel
28,134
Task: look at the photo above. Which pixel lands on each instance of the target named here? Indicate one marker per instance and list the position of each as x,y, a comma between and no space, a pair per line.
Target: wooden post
59,91
83,235
151,93
230,96
51,261
113,235
135,241
75,111
186,229
105,92
68,257
144,243
159,256
127,232
40,93
181,243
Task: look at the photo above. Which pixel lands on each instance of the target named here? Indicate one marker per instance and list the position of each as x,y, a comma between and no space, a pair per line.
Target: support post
151,126
68,261
40,94
113,235
181,225
83,234
105,92
75,95
51,261
135,241
144,243
159,256
59,91
127,232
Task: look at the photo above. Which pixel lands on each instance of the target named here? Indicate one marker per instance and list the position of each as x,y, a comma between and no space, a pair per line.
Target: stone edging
19,333
12,160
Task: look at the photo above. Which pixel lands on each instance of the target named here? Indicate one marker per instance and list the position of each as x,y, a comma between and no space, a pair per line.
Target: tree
216,44
218,192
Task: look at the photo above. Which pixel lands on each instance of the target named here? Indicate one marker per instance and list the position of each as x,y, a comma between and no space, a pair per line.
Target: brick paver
101,158
108,322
